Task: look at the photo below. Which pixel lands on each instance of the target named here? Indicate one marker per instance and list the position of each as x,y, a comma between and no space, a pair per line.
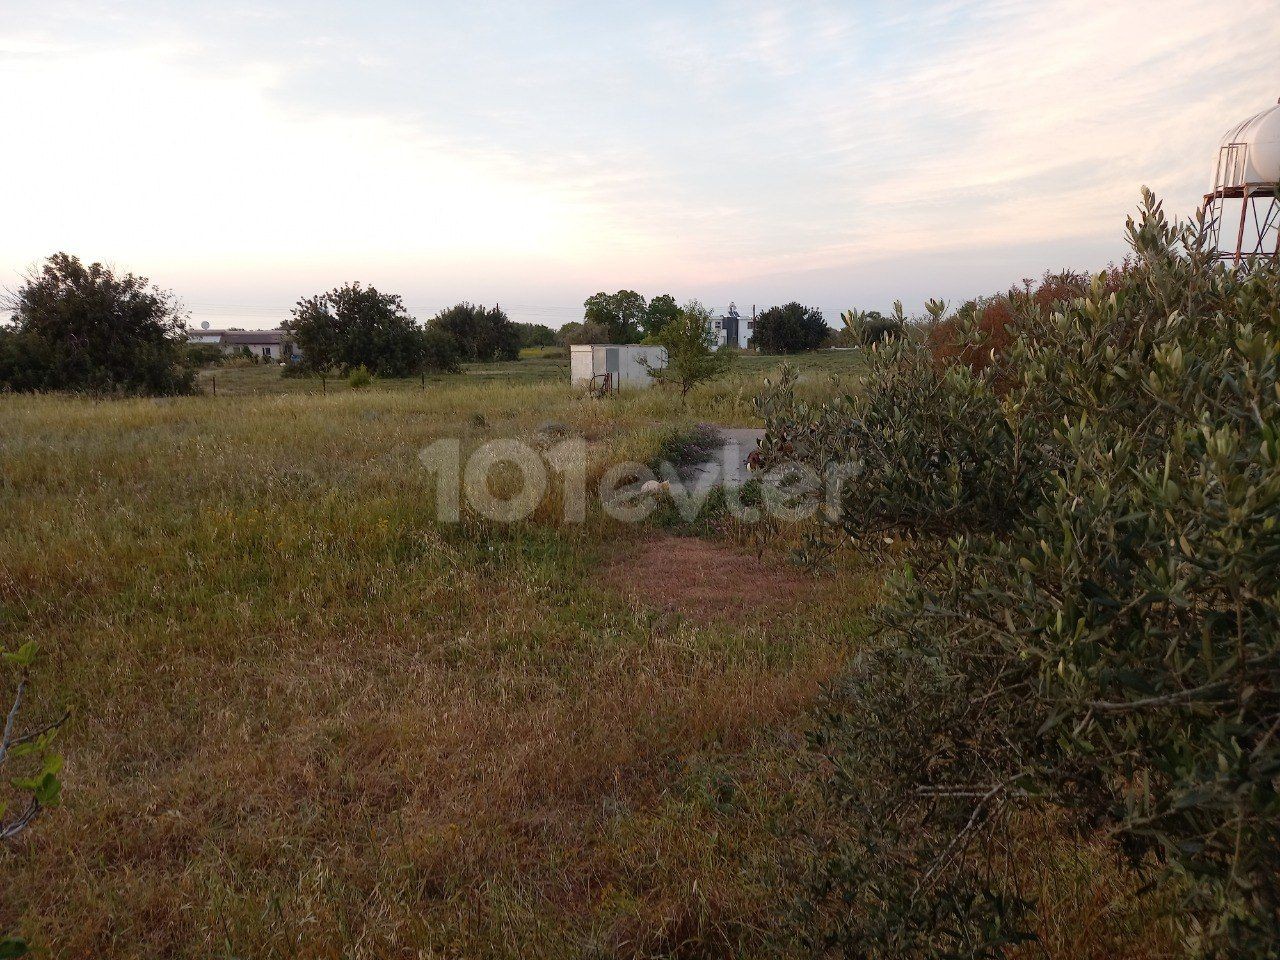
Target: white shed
619,361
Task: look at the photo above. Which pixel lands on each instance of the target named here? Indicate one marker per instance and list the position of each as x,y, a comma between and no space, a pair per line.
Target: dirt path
707,580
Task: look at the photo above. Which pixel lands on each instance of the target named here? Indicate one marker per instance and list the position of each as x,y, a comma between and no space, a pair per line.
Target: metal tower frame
1257,234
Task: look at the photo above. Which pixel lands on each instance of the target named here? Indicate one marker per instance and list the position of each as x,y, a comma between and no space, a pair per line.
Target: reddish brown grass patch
707,581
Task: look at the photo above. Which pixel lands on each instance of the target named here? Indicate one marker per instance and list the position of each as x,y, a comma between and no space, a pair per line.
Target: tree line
83,327
354,326
793,327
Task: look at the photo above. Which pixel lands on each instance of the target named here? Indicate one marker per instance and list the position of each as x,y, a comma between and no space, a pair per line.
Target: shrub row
1088,621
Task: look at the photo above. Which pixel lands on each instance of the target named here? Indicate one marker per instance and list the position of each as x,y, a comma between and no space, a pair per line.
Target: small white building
620,362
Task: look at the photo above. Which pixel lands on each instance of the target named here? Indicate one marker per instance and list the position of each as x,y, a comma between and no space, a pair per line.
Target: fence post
215,386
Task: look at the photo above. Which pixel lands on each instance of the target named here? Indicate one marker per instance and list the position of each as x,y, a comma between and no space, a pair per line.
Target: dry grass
313,722
713,582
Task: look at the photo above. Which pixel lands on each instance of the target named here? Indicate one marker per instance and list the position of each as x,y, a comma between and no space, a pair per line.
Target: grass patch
312,721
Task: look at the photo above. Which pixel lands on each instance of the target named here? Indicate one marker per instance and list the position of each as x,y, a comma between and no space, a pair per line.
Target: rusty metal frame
1255,198
609,383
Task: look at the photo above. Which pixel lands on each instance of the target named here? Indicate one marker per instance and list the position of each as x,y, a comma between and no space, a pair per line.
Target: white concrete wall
590,360
580,365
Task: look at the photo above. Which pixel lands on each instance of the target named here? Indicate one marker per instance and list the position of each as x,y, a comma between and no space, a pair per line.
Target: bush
865,328
441,353
981,331
535,335
82,328
359,378
791,328
480,334
925,450
203,355
1110,648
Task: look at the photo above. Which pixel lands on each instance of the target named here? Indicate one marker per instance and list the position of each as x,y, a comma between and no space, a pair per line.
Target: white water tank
1250,152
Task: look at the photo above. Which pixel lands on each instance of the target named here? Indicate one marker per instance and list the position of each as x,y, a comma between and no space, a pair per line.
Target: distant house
732,328
267,344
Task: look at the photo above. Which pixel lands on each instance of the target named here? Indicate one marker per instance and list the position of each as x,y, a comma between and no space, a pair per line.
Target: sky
532,153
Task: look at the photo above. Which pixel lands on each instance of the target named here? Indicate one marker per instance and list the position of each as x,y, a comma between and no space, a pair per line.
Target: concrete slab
729,466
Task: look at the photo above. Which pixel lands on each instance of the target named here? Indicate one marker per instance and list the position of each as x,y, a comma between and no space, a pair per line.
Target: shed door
611,360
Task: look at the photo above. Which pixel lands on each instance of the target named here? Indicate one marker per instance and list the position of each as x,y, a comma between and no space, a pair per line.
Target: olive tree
1099,637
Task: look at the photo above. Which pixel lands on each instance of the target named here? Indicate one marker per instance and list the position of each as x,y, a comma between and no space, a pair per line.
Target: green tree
621,314
440,351
483,334
536,335
692,357
790,328
574,332
356,326
84,328
662,310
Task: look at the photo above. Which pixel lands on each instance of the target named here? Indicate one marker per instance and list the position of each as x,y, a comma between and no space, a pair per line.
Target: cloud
562,146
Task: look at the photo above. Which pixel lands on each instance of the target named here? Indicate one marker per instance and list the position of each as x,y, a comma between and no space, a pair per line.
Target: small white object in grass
653,486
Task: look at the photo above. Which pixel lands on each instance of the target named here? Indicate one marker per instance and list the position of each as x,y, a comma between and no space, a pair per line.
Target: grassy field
539,365
312,721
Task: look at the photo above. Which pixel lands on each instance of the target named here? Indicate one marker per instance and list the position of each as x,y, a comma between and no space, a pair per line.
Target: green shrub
203,355
82,328
441,352
1110,648
478,333
868,327
924,449
535,335
359,378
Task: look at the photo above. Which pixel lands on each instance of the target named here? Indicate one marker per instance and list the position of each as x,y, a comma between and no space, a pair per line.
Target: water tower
1242,213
